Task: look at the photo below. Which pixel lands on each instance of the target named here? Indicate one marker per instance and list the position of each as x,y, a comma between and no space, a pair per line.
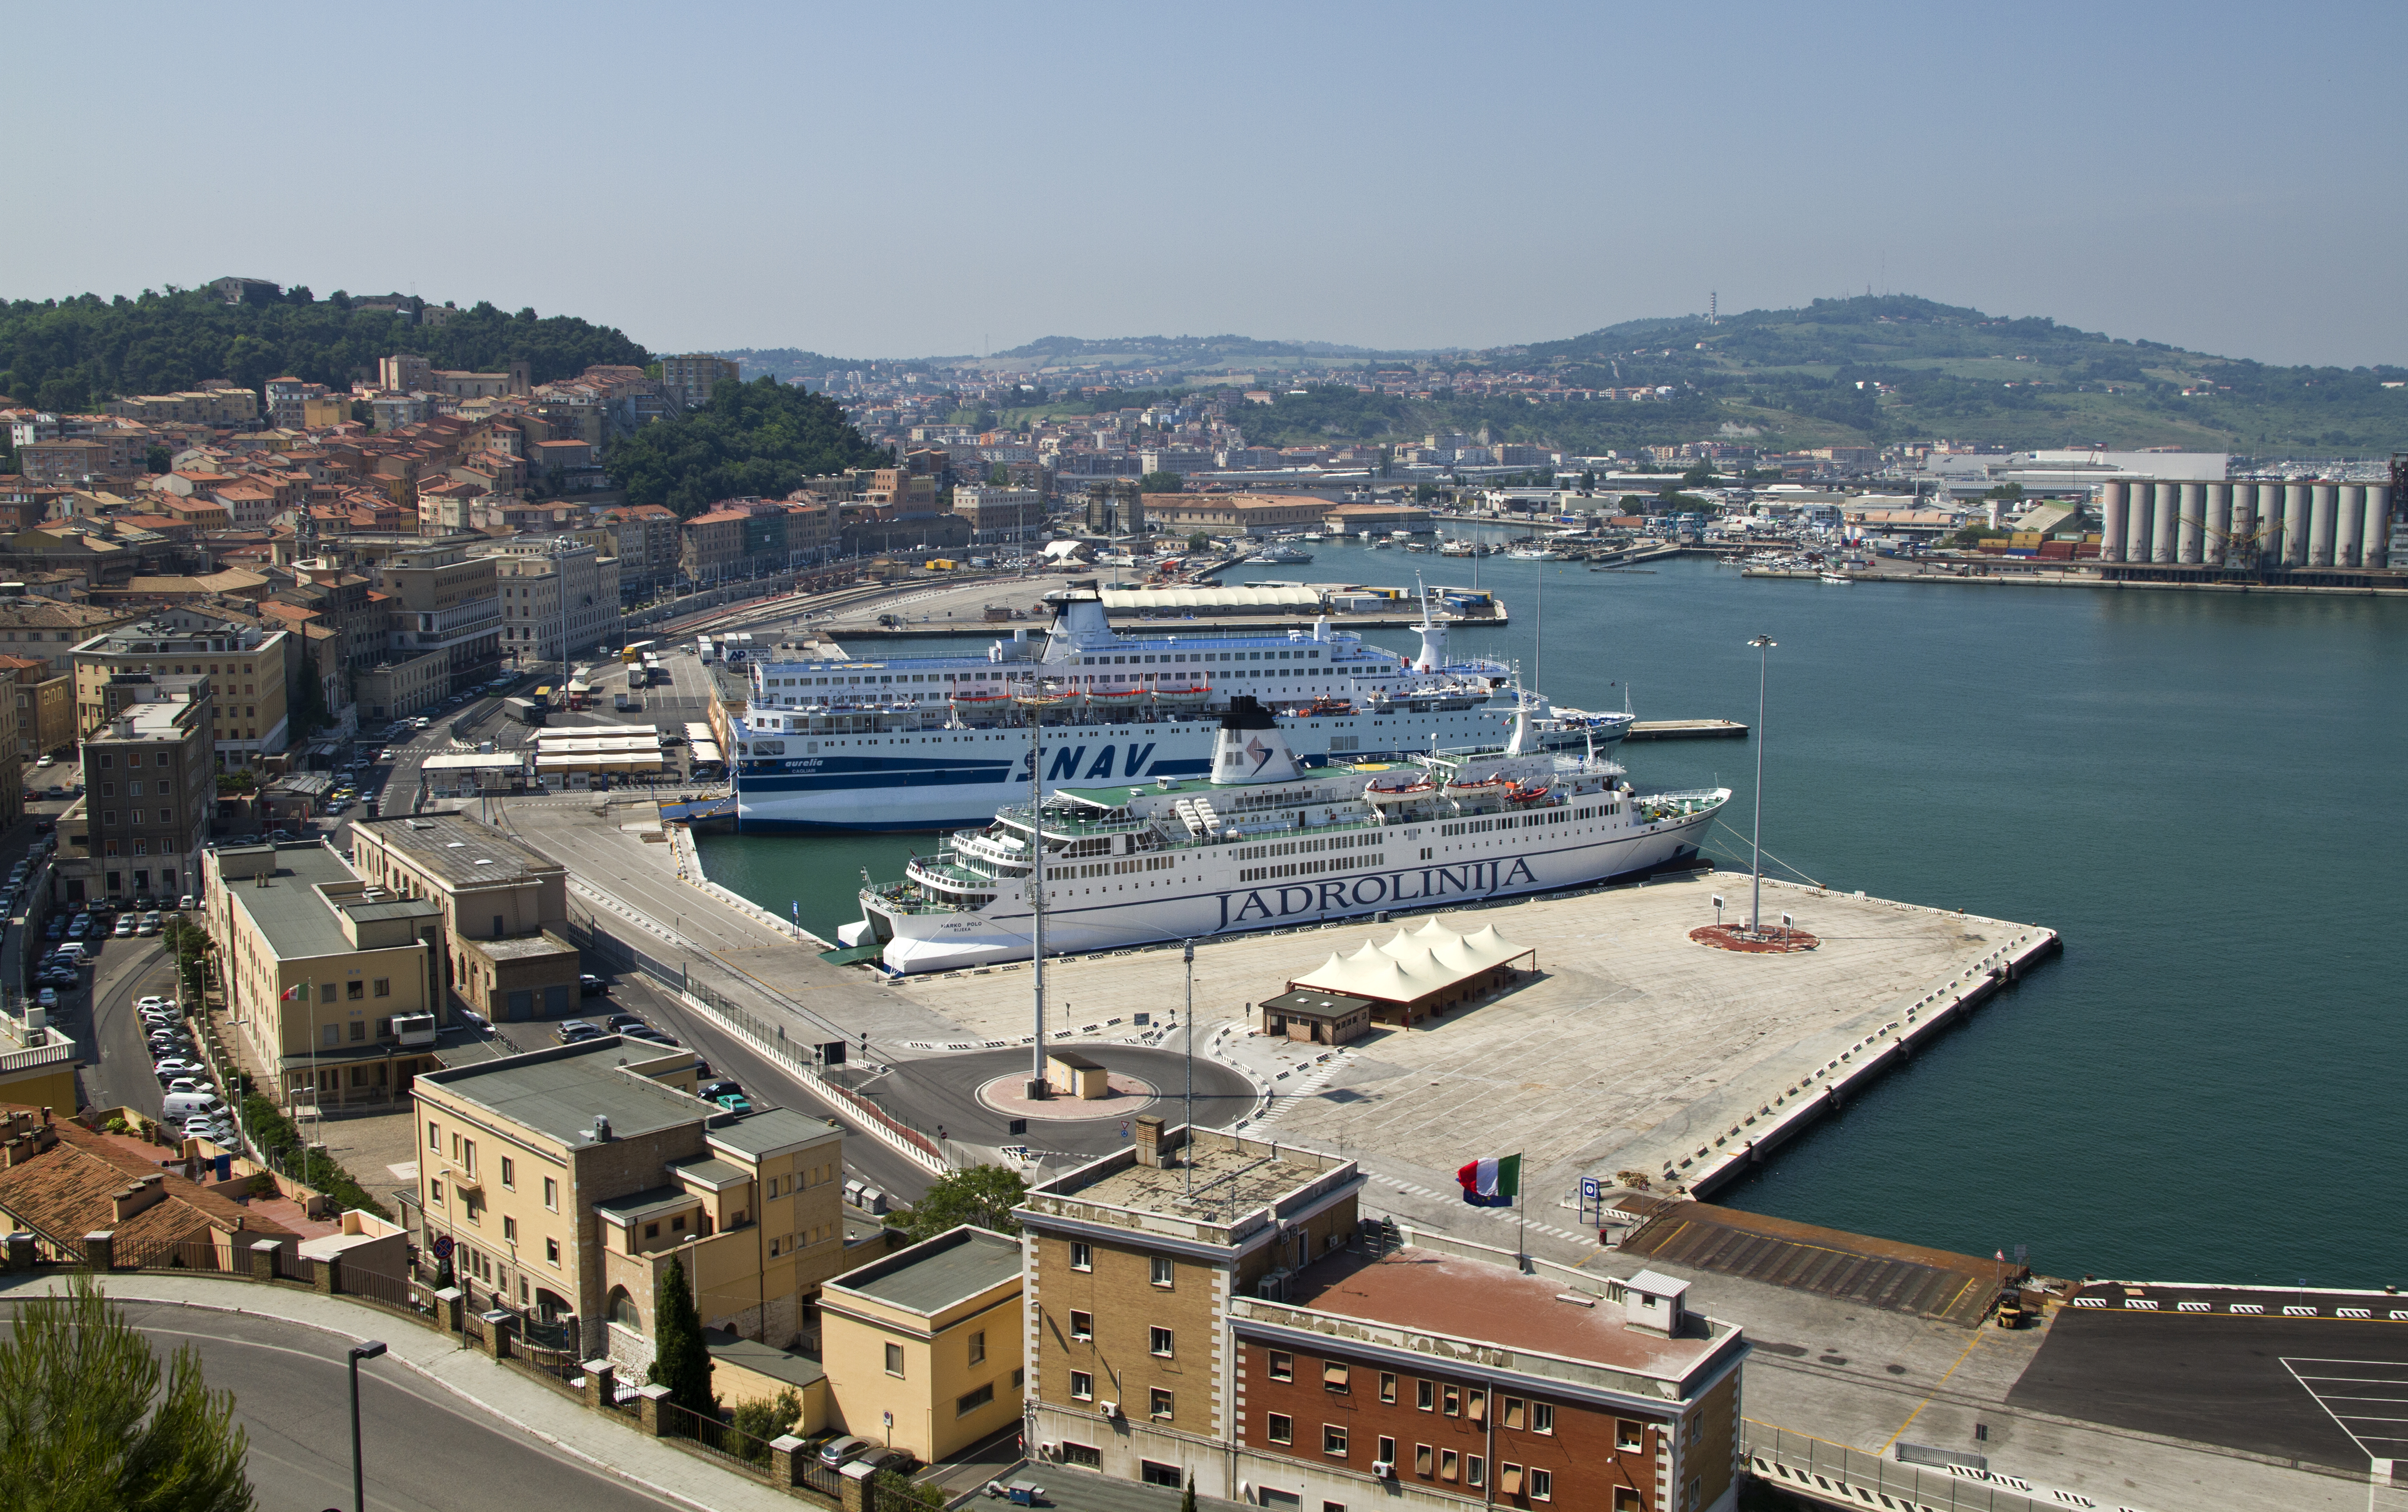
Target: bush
281,1142
895,1491
765,1421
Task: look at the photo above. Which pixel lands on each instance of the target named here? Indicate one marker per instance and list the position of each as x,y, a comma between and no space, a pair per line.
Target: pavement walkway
498,1390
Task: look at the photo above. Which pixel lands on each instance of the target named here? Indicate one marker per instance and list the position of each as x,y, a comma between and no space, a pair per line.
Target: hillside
68,355
757,439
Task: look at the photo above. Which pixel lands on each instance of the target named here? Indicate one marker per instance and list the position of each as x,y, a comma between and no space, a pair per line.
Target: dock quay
1687,730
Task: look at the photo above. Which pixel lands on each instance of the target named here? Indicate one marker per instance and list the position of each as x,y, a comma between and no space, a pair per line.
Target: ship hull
1088,916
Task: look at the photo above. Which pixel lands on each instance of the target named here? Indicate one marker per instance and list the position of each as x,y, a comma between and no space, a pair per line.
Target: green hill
70,354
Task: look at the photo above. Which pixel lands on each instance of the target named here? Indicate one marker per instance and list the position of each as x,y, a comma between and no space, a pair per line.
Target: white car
126,928
147,1003
49,996
46,760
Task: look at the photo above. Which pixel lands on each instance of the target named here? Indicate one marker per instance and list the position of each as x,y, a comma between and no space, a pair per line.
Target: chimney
147,1192
1148,1140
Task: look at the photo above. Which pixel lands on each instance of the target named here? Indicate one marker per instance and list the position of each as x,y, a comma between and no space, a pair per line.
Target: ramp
1850,1267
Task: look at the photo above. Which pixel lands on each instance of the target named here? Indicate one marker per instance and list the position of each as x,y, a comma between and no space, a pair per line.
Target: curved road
424,1449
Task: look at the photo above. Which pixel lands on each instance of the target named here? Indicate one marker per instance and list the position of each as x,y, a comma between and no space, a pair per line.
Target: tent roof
1411,965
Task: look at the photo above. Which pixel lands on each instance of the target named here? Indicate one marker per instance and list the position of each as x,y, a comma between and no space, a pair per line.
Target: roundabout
975,1096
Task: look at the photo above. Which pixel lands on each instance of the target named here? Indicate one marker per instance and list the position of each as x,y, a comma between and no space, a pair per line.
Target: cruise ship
1262,840
941,742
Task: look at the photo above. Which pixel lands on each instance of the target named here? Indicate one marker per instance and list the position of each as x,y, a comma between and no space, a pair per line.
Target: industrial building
2317,523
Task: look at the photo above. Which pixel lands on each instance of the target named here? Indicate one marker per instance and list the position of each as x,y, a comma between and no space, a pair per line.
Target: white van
178,1107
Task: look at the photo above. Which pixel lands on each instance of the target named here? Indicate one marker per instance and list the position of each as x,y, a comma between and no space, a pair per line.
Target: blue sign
443,1247
1591,1189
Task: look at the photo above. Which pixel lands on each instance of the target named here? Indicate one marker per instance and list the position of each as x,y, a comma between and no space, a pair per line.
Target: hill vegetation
70,354
786,364
760,439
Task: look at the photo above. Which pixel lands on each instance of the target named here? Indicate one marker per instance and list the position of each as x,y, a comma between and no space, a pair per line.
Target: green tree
1187,1497
1160,483
1700,476
362,413
1199,542
758,439
981,1195
680,1360
90,1423
766,1420
2010,492
998,476
891,1489
158,459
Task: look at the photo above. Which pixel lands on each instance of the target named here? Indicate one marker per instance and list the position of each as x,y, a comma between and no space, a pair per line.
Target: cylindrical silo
2374,551
2162,511
2114,508
2270,524
2349,523
2322,501
2136,524
2216,528
2241,550
2295,524
2190,524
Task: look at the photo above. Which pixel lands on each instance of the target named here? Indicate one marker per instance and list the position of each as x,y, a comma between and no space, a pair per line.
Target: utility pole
1763,645
1187,954
1036,878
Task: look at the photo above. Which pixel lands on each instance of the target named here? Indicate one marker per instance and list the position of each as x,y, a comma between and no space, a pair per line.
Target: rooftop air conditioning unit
1110,1409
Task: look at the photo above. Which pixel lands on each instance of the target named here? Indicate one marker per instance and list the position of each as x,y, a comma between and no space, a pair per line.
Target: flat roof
650,1203
1233,1177
768,1131
1468,1299
728,1347
940,1273
558,1091
457,848
288,910
531,948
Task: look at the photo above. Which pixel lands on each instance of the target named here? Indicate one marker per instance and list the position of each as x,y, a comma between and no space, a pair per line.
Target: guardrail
1839,1475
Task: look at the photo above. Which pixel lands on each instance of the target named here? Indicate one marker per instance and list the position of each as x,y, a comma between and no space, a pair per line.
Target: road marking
1970,1345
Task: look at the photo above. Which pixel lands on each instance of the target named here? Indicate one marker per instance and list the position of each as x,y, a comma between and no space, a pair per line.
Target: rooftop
728,1347
936,1274
457,848
1234,1176
285,905
771,1131
557,1092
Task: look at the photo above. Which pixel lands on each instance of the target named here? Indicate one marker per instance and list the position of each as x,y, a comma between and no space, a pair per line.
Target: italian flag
294,993
1492,1183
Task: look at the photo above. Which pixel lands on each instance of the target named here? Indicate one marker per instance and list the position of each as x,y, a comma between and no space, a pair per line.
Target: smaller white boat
1836,577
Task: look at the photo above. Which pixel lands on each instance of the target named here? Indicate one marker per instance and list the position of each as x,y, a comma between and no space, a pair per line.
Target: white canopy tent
1413,974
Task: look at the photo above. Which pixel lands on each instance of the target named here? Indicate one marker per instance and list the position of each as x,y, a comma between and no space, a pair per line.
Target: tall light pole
1764,645
369,1350
1187,954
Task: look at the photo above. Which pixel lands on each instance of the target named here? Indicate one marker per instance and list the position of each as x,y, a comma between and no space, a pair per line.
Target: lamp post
369,1350
1764,645
1187,954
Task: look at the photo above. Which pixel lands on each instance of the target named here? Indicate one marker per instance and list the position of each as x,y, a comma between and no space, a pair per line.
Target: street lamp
1187,954
369,1350
1764,645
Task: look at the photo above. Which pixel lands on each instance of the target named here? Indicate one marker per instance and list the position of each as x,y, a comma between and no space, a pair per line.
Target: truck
527,711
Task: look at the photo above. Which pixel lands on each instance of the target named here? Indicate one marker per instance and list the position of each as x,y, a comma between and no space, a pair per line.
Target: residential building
288,402
1237,514
442,599
532,575
568,1179
999,515
689,379
150,781
63,1181
230,407
245,666
318,966
38,1064
405,373
1180,459
502,905
1251,1336
923,1350
50,630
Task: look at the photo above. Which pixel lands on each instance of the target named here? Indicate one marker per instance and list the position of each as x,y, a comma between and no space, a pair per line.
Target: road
107,1031
424,1450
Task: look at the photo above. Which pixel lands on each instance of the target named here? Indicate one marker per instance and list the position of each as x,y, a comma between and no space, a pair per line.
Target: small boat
979,700
1534,553
1115,697
1475,785
1515,794
1193,694
1044,698
1318,706
1409,790
1836,577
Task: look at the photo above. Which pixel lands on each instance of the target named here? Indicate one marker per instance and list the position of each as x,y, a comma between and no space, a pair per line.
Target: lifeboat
1329,706
1398,791
1474,786
1041,698
1193,694
1518,795
1116,697
980,700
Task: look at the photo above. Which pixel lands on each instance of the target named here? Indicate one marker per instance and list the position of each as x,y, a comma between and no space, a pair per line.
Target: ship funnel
1433,632
1079,620
1251,747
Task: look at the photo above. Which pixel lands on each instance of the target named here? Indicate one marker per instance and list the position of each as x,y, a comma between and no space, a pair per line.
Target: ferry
1262,840
941,742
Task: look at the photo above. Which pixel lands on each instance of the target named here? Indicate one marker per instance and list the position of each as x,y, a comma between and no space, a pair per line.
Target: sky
938,178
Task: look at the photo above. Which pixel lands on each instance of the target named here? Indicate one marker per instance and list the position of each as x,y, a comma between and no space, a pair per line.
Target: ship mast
1037,880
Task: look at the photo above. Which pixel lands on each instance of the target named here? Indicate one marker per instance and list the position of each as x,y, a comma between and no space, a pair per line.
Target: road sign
1019,1126
443,1247
1591,1189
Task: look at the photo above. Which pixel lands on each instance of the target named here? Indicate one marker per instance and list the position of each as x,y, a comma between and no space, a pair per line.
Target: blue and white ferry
941,742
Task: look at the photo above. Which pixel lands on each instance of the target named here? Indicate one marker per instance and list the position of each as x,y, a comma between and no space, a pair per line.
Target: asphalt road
422,1448
117,1070
943,1090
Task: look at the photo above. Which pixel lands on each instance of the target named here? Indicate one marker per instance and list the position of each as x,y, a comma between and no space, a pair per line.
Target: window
1282,1365
1082,1257
1475,1470
1083,1454
1333,1441
1477,1401
434,1192
1542,1485
895,1361
551,1194
1158,1402
977,1348
1279,1428
1453,1400
1513,1413
1156,1473
469,1156
1446,1466
1421,1459
332,1034
355,991
1158,1341
1387,1451
1162,1271
1543,1417
1083,1325
1388,1387
434,1135
359,1026
1427,1394
384,986
551,1252
1083,1386
1509,1480
1625,1499
1333,1377
969,1401
509,1172
1628,1437
510,1230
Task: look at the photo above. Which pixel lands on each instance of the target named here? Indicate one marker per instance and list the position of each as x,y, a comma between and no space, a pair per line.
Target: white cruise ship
940,742
1262,840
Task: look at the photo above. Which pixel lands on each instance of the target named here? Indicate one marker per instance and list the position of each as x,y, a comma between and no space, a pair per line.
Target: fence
385,1291
1830,1472
729,1445
178,1255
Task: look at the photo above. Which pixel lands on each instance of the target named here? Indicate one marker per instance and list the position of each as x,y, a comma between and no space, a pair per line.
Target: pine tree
680,1360
88,1425
1187,1497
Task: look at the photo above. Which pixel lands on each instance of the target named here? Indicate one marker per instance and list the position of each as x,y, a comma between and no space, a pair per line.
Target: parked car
589,985
56,929
153,1001
836,1451
126,928
710,1089
81,926
46,760
170,1067
49,996
190,1084
573,1029
651,1035
619,1023
185,903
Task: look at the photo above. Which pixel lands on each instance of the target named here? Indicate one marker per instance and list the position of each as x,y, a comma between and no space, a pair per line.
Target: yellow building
38,1065
325,976
924,1349
568,1179
245,666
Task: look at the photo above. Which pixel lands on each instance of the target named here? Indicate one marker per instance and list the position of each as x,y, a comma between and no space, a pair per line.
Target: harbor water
2192,788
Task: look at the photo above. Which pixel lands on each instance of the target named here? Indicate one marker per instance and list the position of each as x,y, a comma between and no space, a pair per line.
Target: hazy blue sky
891,180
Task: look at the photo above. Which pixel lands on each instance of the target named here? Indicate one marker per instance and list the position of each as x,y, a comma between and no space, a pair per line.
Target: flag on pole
1492,1183
297,993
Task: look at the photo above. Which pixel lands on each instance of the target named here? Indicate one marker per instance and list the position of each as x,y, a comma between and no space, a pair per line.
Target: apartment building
1238,514
246,667
689,379
150,781
317,965
567,1179
999,515
532,576
50,630
501,904
45,700
923,1348
439,598
1254,1336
